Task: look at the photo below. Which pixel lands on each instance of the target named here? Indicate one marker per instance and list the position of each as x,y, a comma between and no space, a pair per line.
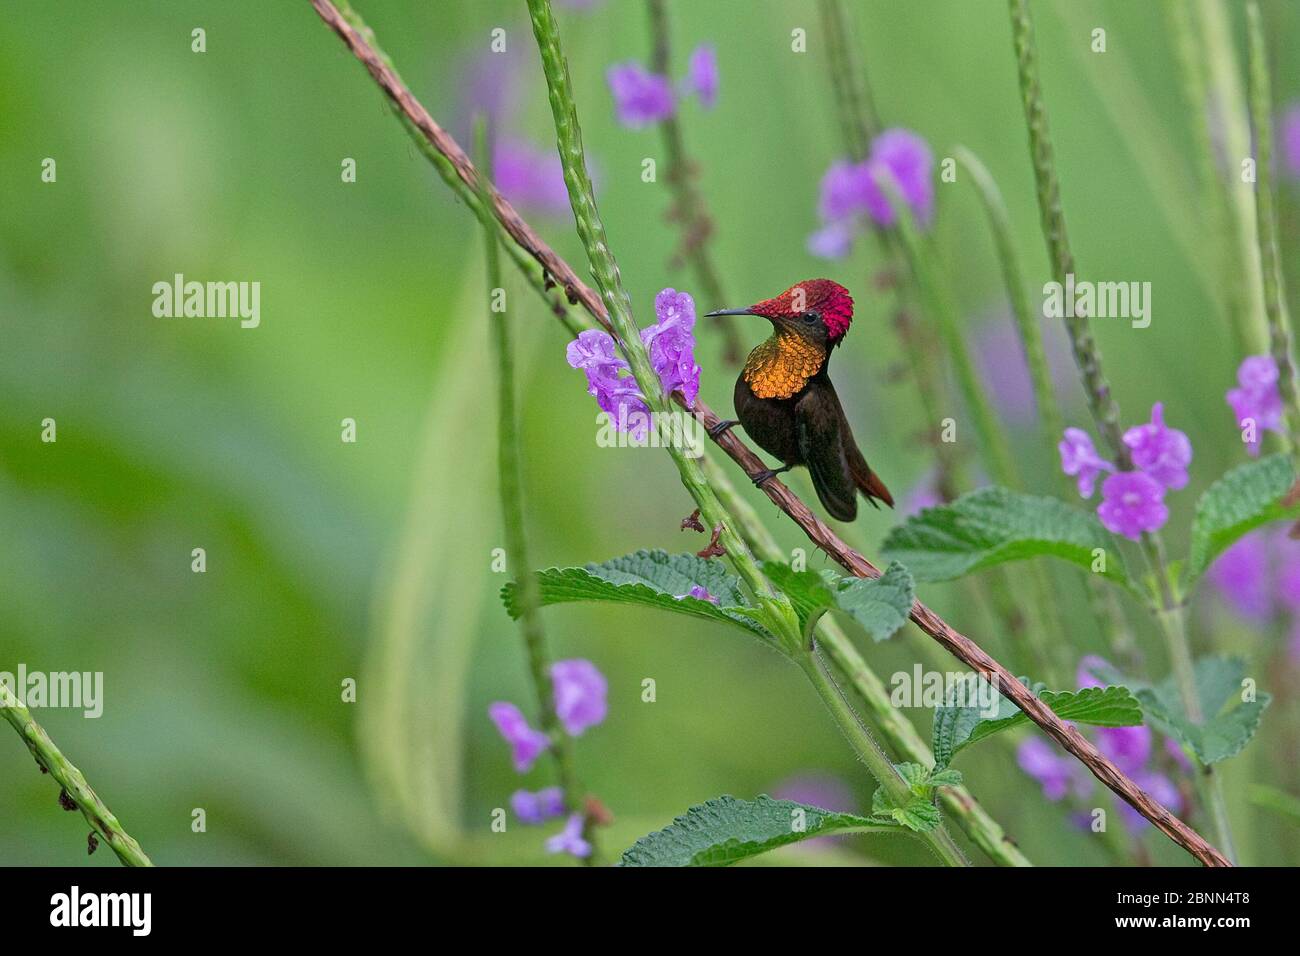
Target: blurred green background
372,560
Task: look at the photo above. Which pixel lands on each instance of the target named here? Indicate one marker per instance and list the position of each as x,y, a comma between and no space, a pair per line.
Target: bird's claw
715,431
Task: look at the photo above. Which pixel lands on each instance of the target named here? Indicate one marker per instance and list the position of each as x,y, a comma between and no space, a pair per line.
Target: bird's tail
868,481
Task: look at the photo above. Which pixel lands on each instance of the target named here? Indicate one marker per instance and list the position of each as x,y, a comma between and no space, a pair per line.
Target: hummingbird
785,401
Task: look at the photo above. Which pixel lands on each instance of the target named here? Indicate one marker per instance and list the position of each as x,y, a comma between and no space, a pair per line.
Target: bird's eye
812,316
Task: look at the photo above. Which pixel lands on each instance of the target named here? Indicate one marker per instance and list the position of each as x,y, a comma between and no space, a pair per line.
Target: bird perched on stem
786,402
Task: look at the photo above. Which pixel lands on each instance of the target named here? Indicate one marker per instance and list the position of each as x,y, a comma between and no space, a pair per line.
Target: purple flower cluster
1129,748
851,193
642,98
1132,502
1259,578
1256,401
580,702
670,343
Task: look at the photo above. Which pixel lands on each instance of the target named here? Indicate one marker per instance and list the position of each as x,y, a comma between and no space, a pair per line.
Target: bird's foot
715,431
767,474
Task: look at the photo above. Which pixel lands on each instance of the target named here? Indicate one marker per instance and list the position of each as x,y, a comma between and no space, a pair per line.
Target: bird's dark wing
821,445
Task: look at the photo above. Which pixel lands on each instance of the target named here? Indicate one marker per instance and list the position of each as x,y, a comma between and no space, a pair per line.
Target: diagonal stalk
51,759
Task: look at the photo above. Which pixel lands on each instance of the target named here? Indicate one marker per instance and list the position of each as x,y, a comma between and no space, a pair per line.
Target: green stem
689,210
604,269
875,758
512,513
1174,627
1279,321
971,817
73,782
1026,317
1215,207
1086,354
1224,86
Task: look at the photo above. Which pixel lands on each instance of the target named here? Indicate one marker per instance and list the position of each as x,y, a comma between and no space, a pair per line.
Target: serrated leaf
917,813
879,605
1242,500
992,526
957,727
650,579
1230,722
726,830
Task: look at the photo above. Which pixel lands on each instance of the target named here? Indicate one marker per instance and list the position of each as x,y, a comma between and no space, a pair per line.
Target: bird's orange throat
781,366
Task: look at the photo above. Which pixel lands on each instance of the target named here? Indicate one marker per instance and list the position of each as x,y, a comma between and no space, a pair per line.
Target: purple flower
1162,452
699,592
537,808
569,840
1241,576
1257,398
1080,460
525,743
906,157
1128,748
833,241
1161,789
1291,140
702,75
579,694
1056,774
671,344
640,97
1132,502
607,378
1288,576
851,191
529,177
924,494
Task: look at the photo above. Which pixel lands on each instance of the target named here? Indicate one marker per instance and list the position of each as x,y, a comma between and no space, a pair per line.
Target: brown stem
956,643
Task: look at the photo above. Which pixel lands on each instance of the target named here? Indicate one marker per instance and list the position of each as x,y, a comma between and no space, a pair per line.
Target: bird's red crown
829,298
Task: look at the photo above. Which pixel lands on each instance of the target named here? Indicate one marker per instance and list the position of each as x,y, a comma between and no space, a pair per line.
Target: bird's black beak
729,312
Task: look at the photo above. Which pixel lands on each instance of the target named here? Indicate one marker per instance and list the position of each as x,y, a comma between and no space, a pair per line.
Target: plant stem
604,268
1031,337
1086,354
1225,92
73,782
974,820
689,210
871,754
1279,321
512,513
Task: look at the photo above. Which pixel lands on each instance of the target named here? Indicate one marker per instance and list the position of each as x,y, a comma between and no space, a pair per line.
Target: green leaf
918,811
879,605
650,579
994,525
1229,721
957,726
726,830
1242,500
